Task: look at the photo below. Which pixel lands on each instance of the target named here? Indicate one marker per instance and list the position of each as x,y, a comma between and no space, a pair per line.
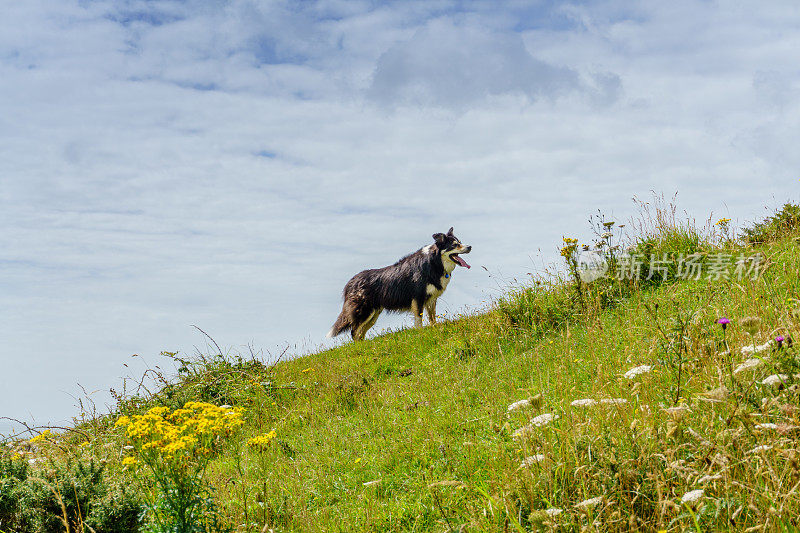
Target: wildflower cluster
177,446
570,245
45,435
261,442
183,433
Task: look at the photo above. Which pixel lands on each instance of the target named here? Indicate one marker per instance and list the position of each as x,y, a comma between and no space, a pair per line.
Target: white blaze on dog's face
450,248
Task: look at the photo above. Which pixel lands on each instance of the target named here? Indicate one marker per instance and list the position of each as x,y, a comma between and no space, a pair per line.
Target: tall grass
415,430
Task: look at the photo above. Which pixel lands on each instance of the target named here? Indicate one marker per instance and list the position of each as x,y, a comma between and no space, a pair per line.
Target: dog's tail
341,325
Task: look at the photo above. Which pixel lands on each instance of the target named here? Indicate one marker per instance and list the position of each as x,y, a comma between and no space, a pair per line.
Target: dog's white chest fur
449,266
431,289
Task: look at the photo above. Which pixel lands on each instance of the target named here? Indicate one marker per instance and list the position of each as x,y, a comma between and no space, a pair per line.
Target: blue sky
232,164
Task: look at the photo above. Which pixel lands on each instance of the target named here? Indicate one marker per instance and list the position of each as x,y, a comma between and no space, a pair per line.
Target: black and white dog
412,284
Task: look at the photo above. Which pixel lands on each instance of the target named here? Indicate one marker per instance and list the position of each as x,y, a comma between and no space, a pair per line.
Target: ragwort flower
261,442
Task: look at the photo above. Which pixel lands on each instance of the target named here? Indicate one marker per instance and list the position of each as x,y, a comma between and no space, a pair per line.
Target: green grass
409,431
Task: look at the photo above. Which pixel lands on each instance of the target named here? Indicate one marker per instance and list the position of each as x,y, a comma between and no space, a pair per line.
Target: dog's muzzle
457,260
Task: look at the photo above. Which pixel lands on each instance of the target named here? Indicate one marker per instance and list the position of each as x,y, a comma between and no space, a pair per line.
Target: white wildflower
553,511
775,379
692,496
758,348
638,370
607,235
613,401
762,448
720,394
720,460
586,402
747,365
543,420
784,428
677,411
766,425
524,431
127,447
680,466
532,460
591,502
518,405
448,483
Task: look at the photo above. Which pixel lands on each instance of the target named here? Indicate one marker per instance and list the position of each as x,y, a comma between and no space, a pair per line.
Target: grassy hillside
413,431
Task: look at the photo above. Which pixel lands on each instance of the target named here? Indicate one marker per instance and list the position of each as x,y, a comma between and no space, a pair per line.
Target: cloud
232,164
454,65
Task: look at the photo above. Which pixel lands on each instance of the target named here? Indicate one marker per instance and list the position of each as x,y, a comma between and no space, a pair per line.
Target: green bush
15,494
774,227
34,500
542,307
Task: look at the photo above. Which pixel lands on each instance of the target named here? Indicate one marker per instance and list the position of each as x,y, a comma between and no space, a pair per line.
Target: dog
413,283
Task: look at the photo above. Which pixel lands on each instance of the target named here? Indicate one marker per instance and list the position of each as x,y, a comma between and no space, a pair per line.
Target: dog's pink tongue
461,261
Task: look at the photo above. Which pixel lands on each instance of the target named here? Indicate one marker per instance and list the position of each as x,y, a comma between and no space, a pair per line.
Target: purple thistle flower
779,339
723,322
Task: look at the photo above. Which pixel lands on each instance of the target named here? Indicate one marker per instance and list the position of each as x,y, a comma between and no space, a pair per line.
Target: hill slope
413,431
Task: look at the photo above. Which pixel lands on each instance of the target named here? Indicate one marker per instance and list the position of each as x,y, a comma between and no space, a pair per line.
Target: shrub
774,227
14,492
542,307
80,492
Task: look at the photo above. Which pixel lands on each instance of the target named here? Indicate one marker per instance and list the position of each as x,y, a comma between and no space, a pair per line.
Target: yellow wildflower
41,436
179,435
260,442
128,461
570,245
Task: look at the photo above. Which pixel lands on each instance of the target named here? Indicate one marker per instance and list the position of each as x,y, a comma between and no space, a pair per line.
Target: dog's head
450,248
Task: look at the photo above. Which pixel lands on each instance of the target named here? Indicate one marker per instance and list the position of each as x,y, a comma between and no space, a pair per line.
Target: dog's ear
438,238
450,231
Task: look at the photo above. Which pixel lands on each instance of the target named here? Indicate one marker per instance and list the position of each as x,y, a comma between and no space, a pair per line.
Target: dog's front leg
416,308
430,307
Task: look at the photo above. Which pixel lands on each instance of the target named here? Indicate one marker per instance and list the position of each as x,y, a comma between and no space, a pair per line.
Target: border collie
412,284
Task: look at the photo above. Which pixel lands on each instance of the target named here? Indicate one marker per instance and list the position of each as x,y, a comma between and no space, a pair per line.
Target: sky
231,165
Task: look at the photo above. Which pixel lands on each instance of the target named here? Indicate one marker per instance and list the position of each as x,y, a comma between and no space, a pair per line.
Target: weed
177,446
772,228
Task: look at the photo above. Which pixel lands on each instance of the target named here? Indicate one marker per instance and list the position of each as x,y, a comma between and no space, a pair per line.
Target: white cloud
448,64
173,163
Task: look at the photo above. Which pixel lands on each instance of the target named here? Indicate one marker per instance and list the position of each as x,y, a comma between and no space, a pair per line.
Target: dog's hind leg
416,309
430,307
373,317
360,331
357,332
